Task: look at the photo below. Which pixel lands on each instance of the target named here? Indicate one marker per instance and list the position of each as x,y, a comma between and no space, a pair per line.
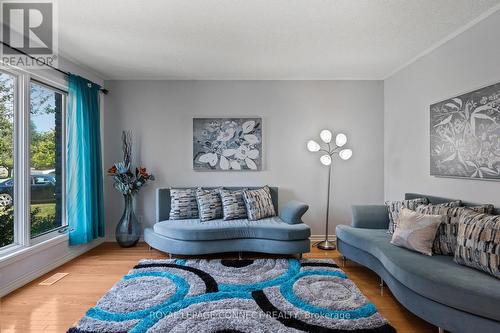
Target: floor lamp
329,150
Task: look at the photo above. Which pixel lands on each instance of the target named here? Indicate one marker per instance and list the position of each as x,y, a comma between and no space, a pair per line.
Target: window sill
19,253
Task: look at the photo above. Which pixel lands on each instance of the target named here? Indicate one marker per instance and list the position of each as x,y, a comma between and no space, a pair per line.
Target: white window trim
23,244
24,252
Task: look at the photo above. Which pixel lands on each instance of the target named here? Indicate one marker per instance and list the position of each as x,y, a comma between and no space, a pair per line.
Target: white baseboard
112,238
27,278
317,238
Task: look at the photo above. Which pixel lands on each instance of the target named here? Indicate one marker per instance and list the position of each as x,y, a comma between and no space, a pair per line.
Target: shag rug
263,295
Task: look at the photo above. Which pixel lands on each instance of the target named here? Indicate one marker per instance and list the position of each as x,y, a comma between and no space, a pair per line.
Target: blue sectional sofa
282,234
435,288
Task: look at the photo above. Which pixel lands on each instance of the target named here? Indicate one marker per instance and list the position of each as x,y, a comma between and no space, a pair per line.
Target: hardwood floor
35,308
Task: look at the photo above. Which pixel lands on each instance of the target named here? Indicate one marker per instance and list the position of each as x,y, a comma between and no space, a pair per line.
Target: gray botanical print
227,144
465,135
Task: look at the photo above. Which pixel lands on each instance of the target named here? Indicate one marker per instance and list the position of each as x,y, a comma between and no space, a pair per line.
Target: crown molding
443,41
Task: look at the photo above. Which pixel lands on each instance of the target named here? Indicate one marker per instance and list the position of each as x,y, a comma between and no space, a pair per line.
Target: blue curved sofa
282,234
453,297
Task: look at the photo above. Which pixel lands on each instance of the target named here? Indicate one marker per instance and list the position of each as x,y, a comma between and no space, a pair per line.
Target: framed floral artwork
465,135
227,144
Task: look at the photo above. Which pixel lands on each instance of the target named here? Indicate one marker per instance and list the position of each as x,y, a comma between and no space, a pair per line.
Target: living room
240,166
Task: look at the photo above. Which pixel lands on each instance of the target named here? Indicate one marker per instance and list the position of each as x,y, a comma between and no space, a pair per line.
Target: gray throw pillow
183,204
209,204
478,242
416,231
259,203
394,207
233,205
446,237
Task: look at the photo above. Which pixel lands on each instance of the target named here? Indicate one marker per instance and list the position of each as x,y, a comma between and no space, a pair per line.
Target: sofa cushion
416,231
259,203
478,242
455,203
233,205
209,204
394,207
268,228
446,238
183,204
438,277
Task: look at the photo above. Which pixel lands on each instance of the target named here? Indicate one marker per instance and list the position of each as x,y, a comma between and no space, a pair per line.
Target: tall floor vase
128,230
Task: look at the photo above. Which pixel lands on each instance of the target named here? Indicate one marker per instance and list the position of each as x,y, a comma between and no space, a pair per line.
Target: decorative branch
127,147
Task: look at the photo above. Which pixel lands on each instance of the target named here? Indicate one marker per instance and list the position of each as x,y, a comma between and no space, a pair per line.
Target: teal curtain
84,196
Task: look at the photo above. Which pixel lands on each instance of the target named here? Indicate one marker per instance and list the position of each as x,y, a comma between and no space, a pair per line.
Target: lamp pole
326,244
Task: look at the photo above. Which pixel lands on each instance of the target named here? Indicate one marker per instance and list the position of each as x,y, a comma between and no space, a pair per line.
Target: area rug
263,295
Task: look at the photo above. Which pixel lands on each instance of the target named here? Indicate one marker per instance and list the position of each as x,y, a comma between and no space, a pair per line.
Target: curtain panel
84,193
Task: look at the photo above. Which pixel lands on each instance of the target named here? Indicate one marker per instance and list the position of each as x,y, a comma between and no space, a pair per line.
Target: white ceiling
256,39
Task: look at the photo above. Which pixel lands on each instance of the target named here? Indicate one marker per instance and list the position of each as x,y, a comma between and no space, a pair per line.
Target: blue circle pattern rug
262,295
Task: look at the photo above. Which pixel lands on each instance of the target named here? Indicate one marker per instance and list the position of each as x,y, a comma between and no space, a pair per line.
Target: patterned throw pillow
416,231
395,207
446,238
478,243
259,203
483,209
233,205
183,204
456,203
209,204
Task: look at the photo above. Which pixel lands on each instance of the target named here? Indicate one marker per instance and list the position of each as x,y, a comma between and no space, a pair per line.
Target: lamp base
326,245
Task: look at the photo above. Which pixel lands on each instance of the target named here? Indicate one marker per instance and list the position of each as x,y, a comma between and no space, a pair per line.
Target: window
7,160
46,105
31,160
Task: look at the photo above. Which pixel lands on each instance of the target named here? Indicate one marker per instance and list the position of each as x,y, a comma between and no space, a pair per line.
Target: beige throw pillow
416,231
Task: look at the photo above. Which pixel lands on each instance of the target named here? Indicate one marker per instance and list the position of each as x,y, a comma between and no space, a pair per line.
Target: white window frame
22,141
19,239
64,226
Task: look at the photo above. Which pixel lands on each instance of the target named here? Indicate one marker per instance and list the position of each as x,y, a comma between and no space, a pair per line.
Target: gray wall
160,115
469,61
